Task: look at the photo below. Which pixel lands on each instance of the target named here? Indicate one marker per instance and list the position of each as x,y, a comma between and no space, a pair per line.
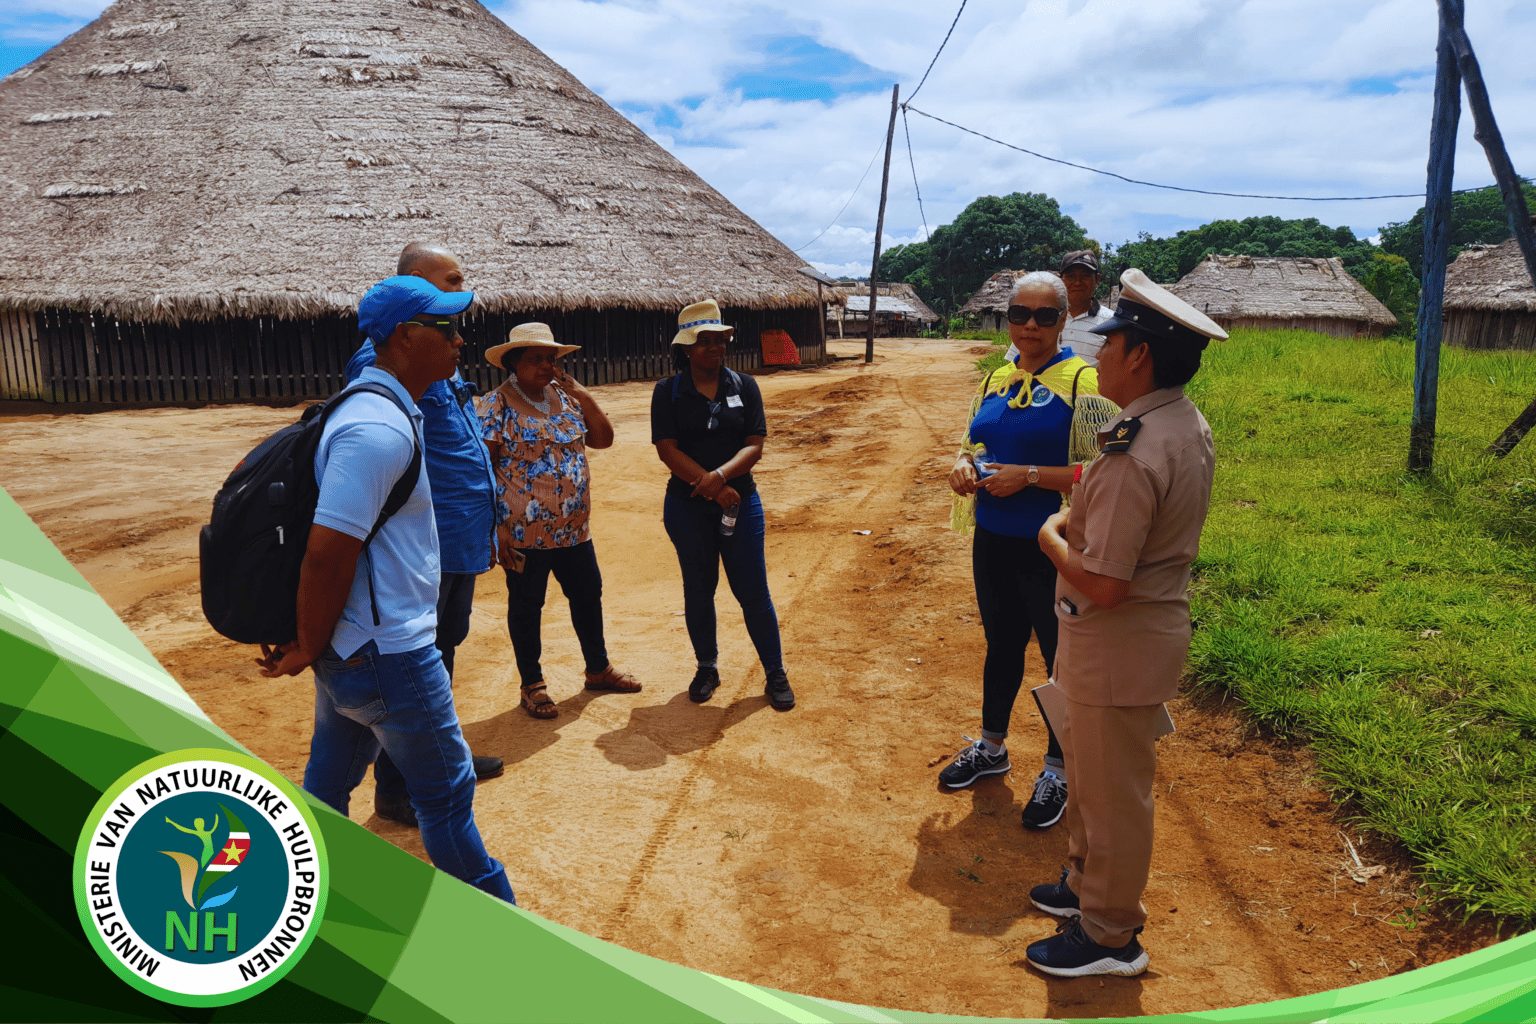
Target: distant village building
899,311
987,307
1302,293
1489,300
196,194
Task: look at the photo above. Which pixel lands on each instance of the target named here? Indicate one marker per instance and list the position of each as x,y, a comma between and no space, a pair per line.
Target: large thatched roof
202,158
993,295
1492,278
1279,288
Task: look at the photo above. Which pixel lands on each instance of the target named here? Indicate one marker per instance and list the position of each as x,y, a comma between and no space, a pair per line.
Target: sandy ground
809,851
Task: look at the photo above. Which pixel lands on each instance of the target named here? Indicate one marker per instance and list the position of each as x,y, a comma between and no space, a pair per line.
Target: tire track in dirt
914,448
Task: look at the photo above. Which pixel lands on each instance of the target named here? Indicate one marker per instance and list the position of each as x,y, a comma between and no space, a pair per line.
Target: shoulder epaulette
1122,435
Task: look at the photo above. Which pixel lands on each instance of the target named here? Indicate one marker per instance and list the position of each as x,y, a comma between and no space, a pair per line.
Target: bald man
463,503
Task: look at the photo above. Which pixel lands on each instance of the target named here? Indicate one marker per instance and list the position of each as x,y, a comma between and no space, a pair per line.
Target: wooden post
874,270
821,324
1437,234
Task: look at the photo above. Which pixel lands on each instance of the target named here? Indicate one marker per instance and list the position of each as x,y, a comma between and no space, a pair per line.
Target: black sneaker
486,766
1070,953
1056,898
972,763
778,692
397,810
705,682
1049,801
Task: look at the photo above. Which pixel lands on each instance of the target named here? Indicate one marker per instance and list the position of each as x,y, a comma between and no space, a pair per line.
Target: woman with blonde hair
538,425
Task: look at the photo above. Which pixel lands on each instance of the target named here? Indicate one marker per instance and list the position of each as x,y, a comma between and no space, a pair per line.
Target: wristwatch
1033,476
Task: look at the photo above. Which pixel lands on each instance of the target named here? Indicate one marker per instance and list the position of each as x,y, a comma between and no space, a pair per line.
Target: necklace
541,407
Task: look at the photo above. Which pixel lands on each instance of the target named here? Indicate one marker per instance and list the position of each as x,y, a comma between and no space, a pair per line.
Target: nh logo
186,932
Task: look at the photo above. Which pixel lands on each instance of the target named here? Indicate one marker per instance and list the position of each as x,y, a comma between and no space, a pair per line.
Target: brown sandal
614,681
537,703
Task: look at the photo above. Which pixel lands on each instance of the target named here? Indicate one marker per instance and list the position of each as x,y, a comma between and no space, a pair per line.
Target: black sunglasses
1045,316
715,408
447,328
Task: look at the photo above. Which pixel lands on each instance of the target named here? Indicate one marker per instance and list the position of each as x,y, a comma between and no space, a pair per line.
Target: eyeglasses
447,328
1045,316
714,415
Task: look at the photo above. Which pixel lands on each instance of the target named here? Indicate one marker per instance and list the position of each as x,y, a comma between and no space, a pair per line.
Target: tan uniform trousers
1111,757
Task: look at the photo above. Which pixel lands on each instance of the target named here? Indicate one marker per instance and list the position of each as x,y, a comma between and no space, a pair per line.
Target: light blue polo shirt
365,448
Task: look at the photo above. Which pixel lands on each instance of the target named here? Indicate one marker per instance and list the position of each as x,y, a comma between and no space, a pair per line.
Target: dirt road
809,851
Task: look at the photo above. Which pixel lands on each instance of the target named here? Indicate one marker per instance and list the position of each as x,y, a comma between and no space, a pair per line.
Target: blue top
458,466
1033,435
366,446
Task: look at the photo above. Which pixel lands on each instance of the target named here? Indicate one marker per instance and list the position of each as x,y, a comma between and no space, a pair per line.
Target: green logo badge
200,877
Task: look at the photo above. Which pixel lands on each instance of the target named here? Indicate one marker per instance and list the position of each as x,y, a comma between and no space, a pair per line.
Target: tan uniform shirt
1136,515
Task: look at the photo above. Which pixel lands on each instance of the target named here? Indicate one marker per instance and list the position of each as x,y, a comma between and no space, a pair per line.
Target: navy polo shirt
458,467
679,413
1035,434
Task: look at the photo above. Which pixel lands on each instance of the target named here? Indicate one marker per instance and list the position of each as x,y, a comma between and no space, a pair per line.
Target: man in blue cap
463,502
367,621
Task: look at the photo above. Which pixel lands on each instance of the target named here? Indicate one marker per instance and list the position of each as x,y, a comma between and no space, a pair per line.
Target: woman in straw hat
708,425
538,426
1012,469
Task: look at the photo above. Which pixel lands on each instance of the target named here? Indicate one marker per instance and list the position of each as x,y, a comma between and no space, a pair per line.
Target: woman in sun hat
708,426
538,426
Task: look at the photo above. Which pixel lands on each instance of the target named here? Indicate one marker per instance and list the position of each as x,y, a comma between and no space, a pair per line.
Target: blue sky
781,105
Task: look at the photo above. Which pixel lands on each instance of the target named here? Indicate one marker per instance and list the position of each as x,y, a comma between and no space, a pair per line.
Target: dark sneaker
705,682
778,692
1056,898
486,766
1048,803
1070,953
972,763
397,810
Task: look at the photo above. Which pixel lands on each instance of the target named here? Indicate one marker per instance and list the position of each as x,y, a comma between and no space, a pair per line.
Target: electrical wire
913,164
844,209
938,51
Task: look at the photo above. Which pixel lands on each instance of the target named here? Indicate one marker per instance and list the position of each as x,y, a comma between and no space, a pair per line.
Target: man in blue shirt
463,500
367,616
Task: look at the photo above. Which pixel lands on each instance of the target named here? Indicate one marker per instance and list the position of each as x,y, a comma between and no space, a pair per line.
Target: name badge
734,401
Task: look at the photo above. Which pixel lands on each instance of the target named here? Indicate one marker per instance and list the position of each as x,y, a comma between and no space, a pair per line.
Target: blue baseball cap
397,299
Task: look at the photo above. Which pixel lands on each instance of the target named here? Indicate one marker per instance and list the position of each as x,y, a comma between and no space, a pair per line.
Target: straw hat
699,317
532,335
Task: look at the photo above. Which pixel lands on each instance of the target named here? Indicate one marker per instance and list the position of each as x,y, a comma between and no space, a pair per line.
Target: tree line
1029,231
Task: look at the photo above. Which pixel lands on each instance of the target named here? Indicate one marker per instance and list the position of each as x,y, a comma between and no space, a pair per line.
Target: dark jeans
694,527
1016,594
455,597
575,569
402,703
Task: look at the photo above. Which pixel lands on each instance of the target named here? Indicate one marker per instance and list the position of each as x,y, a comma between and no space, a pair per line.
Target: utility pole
1437,235
874,270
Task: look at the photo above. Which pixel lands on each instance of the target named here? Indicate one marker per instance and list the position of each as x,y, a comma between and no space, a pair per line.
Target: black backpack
251,550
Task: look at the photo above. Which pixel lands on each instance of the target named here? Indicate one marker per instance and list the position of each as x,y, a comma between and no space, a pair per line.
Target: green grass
1385,619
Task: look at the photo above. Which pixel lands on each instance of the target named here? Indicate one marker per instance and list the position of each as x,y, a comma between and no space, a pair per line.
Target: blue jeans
575,569
455,598
403,704
694,527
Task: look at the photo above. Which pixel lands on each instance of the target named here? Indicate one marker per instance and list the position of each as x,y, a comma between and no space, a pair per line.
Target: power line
913,163
1154,184
937,52
840,212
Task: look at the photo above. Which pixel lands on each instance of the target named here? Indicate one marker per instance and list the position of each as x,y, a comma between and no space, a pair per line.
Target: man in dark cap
1080,272
1123,551
463,501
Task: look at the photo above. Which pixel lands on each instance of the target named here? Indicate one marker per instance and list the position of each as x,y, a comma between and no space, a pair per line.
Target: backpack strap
398,494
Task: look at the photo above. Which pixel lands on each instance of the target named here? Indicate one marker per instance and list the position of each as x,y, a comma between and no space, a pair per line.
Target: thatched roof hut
1489,299
988,305
1302,292
201,166
899,310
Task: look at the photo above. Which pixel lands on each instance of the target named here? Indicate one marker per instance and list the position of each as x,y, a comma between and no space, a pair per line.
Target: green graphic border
263,771
82,702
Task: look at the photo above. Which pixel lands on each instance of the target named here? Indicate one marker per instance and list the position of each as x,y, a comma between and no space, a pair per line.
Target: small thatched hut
1489,300
196,193
988,305
899,310
1301,292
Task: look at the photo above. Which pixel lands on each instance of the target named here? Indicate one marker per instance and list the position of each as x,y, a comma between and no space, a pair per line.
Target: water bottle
728,521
